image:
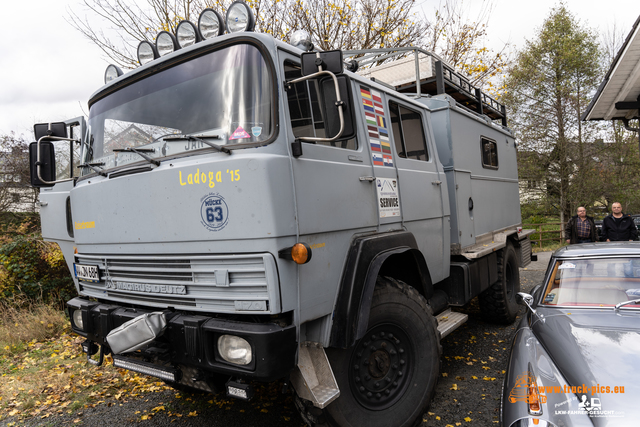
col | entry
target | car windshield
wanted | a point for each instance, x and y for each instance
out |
(224, 97)
(597, 282)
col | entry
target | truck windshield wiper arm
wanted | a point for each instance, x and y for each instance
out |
(93, 167)
(622, 304)
(140, 152)
(195, 138)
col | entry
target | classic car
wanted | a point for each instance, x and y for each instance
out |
(575, 353)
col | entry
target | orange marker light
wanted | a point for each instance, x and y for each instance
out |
(301, 253)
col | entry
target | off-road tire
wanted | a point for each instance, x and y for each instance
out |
(498, 303)
(388, 378)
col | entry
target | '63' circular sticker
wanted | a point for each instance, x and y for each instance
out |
(214, 212)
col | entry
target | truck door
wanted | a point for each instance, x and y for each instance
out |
(55, 204)
(333, 180)
(421, 180)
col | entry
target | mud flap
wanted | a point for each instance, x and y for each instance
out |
(313, 378)
(137, 333)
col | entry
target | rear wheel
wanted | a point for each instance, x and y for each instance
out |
(389, 376)
(498, 303)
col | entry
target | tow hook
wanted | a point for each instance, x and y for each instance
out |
(91, 348)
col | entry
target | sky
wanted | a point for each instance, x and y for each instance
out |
(48, 70)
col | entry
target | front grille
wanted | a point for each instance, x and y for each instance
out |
(211, 283)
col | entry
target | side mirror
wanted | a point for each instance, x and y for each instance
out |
(332, 117)
(42, 130)
(330, 60)
(47, 163)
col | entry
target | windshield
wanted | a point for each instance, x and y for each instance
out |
(224, 97)
(593, 282)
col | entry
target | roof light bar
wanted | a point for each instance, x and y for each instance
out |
(147, 52)
(166, 43)
(210, 24)
(239, 18)
(187, 34)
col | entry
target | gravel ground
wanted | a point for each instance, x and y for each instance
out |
(468, 390)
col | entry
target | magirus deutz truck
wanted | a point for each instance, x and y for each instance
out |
(240, 209)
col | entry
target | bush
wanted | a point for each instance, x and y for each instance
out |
(31, 267)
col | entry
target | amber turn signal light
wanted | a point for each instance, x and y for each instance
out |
(300, 253)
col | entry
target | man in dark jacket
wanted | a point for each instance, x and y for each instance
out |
(618, 227)
(580, 228)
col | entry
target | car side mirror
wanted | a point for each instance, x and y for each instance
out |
(42, 167)
(330, 60)
(331, 114)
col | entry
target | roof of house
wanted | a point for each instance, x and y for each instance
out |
(621, 83)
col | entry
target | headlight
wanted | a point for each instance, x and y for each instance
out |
(234, 349)
(77, 319)
(166, 43)
(112, 72)
(239, 18)
(210, 24)
(187, 34)
(146, 52)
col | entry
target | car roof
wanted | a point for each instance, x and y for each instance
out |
(599, 250)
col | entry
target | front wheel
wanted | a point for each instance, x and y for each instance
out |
(388, 378)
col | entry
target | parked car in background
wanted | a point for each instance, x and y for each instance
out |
(575, 352)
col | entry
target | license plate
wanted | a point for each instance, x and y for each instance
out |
(87, 273)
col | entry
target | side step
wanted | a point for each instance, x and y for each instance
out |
(314, 380)
(449, 321)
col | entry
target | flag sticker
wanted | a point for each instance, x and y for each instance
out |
(376, 122)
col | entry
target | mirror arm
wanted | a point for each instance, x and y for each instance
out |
(39, 162)
(339, 104)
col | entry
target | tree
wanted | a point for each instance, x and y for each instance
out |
(344, 24)
(15, 192)
(333, 24)
(548, 89)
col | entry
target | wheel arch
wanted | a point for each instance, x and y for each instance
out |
(394, 254)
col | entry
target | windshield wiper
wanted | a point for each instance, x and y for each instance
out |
(622, 304)
(195, 138)
(140, 152)
(93, 167)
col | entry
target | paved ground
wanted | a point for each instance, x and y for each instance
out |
(468, 391)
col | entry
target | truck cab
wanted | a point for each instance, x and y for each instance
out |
(245, 209)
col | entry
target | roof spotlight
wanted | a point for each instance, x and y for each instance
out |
(112, 72)
(187, 34)
(210, 24)
(147, 52)
(166, 43)
(239, 17)
(302, 40)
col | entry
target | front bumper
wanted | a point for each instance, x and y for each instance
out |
(191, 340)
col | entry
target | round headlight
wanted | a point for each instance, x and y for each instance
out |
(77, 319)
(234, 349)
(166, 43)
(146, 52)
(187, 34)
(302, 40)
(111, 73)
(210, 24)
(239, 17)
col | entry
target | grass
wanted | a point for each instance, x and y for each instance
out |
(43, 371)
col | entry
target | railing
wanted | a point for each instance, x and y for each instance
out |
(557, 228)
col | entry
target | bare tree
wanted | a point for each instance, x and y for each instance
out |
(16, 194)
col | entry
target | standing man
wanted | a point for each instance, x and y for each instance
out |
(618, 227)
(581, 228)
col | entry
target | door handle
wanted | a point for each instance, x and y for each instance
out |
(436, 182)
(367, 178)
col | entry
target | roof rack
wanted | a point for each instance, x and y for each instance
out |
(424, 73)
